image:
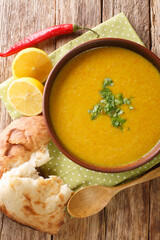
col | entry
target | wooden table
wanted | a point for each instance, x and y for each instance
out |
(133, 214)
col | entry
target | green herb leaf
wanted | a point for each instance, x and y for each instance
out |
(119, 99)
(110, 105)
(95, 111)
(126, 101)
(107, 82)
(117, 121)
(119, 111)
(105, 93)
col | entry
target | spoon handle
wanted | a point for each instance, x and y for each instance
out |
(148, 176)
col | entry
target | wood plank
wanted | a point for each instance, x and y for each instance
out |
(155, 23)
(14, 231)
(92, 228)
(154, 224)
(18, 20)
(127, 216)
(1, 222)
(83, 13)
(136, 11)
(154, 227)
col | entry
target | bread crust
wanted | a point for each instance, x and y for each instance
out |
(37, 203)
(20, 139)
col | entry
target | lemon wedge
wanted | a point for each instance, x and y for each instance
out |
(25, 95)
(32, 62)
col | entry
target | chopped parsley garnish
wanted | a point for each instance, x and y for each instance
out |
(95, 111)
(110, 105)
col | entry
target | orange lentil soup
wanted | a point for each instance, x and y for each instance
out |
(76, 90)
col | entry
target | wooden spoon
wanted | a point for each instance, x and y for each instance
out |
(92, 199)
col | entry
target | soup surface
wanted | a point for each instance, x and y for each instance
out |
(76, 90)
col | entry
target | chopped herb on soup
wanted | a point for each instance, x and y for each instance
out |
(110, 105)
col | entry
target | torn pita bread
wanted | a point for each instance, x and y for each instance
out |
(20, 139)
(32, 200)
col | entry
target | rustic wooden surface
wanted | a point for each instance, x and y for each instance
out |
(133, 214)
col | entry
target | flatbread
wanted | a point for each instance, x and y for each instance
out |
(25, 196)
(32, 200)
(20, 139)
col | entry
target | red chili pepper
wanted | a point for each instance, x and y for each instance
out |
(43, 35)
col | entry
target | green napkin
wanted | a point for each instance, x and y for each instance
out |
(72, 174)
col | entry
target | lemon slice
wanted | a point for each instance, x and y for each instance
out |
(25, 95)
(32, 62)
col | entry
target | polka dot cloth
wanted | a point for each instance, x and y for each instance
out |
(77, 177)
(72, 174)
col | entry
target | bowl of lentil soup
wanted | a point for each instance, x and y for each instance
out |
(102, 106)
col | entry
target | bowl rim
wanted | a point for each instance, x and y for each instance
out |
(101, 42)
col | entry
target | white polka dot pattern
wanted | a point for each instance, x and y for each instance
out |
(76, 177)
